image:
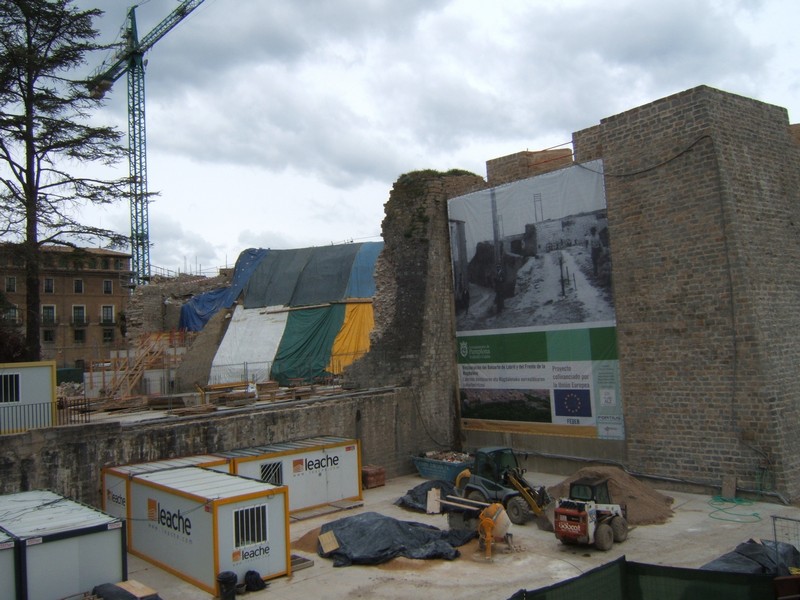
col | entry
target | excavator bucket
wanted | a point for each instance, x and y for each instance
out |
(547, 517)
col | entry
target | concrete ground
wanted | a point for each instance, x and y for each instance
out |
(696, 534)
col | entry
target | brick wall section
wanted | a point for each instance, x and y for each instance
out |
(68, 460)
(704, 209)
(522, 165)
(156, 306)
(414, 338)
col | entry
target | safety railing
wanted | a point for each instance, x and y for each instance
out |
(18, 417)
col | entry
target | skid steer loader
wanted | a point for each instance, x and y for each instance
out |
(589, 515)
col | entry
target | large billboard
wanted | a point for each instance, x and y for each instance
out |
(535, 321)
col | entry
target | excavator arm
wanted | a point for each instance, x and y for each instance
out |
(537, 503)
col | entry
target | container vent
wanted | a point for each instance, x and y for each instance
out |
(272, 473)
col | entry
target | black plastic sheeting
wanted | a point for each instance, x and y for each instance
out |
(372, 539)
(417, 498)
(110, 591)
(757, 558)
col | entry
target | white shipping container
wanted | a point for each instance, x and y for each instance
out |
(317, 471)
(197, 523)
(116, 480)
(7, 564)
(63, 548)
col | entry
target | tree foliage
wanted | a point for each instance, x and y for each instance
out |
(47, 139)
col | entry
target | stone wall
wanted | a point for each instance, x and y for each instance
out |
(157, 306)
(413, 342)
(526, 164)
(68, 460)
(703, 192)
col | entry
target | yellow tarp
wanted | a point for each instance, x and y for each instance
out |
(352, 341)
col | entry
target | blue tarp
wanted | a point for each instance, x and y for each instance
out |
(362, 280)
(197, 311)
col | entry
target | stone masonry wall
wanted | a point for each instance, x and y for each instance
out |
(414, 337)
(703, 206)
(526, 164)
(68, 460)
(156, 306)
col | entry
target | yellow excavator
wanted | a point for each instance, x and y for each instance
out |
(497, 477)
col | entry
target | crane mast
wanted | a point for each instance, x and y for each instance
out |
(130, 60)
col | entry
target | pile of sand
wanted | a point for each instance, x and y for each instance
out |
(645, 505)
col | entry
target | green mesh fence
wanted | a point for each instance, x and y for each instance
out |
(623, 580)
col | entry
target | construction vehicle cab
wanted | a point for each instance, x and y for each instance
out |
(589, 515)
(497, 477)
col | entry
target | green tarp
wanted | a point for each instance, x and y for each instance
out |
(305, 348)
(623, 580)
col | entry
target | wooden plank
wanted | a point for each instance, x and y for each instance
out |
(328, 542)
(139, 590)
(299, 563)
(584, 431)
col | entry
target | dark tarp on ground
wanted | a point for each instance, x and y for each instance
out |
(310, 276)
(305, 348)
(417, 497)
(754, 557)
(198, 310)
(623, 580)
(371, 539)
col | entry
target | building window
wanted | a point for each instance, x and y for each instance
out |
(250, 526)
(108, 335)
(118, 264)
(79, 336)
(11, 314)
(48, 314)
(78, 286)
(49, 285)
(9, 387)
(79, 315)
(48, 335)
(107, 315)
(11, 284)
(108, 286)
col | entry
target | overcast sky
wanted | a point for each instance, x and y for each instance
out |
(284, 123)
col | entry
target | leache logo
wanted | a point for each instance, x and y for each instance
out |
(118, 499)
(248, 554)
(300, 465)
(166, 518)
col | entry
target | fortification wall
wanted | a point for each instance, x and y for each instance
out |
(68, 460)
(703, 192)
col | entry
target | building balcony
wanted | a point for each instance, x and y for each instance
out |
(49, 321)
(79, 321)
(108, 321)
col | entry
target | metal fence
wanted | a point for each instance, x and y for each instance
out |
(311, 370)
(787, 530)
(17, 418)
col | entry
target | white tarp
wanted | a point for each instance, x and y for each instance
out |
(249, 345)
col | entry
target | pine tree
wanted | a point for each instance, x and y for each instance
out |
(46, 136)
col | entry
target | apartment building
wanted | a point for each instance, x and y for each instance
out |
(83, 298)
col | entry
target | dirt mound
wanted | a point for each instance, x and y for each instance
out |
(645, 505)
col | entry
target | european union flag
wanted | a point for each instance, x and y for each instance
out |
(573, 403)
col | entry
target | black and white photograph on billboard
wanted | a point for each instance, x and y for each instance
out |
(533, 252)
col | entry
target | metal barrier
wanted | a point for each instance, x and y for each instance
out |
(786, 530)
(18, 418)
